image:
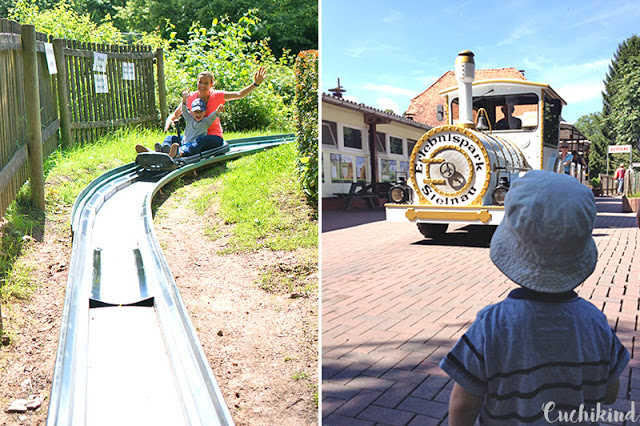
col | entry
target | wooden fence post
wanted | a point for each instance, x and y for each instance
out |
(63, 92)
(162, 90)
(34, 125)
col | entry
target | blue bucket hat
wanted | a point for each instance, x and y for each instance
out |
(544, 242)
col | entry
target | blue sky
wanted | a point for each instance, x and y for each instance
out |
(386, 52)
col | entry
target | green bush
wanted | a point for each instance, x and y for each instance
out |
(225, 50)
(306, 102)
(63, 22)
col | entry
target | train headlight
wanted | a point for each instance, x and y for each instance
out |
(500, 192)
(498, 195)
(399, 194)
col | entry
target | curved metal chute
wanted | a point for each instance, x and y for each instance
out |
(128, 352)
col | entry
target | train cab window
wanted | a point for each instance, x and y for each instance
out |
(511, 113)
(329, 133)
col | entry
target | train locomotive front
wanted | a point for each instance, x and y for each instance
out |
(459, 173)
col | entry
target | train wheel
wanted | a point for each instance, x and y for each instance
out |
(433, 230)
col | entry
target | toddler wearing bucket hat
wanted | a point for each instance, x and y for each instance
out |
(544, 351)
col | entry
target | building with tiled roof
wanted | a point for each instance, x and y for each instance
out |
(424, 107)
(363, 146)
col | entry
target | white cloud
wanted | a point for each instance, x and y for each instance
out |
(387, 88)
(393, 16)
(580, 92)
(385, 103)
(371, 48)
(602, 15)
(351, 99)
(356, 52)
(519, 32)
(427, 81)
(572, 71)
(597, 64)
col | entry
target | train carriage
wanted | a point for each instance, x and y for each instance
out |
(459, 173)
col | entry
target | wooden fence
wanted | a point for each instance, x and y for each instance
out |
(631, 183)
(96, 88)
(14, 167)
(129, 98)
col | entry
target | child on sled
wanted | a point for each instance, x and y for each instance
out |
(196, 125)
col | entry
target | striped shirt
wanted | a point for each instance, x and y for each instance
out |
(532, 349)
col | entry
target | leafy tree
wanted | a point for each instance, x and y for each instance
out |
(591, 126)
(98, 10)
(7, 5)
(619, 122)
(630, 48)
(290, 24)
(625, 104)
(287, 24)
(62, 21)
(225, 50)
(628, 52)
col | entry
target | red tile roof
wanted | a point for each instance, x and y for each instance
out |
(423, 107)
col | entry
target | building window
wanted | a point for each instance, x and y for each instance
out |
(361, 169)
(341, 168)
(395, 145)
(404, 169)
(329, 133)
(410, 144)
(381, 143)
(388, 170)
(352, 137)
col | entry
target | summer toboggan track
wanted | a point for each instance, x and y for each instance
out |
(128, 353)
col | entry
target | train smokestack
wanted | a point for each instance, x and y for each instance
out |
(465, 70)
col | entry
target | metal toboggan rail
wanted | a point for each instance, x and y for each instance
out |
(128, 353)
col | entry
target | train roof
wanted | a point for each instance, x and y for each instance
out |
(505, 86)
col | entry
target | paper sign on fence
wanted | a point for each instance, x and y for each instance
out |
(99, 62)
(128, 71)
(51, 59)
(101, 83)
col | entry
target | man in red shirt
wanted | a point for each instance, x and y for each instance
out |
(619, 177)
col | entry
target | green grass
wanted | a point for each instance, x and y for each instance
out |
(300, 375)
(21, 225)
(260, 197)
(69, 171)
(295, 278)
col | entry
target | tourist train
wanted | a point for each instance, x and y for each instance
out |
(459, 173)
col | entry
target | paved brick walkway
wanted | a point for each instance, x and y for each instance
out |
(393, 304)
